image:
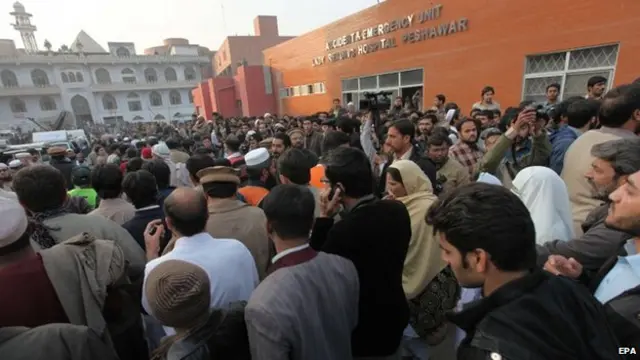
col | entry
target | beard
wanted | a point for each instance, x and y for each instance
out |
(628, 225)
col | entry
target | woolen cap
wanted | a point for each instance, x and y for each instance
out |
(257, 158)
(178, 293)
(57, 150)
(218, 174)
(146, 153)
(14, 221)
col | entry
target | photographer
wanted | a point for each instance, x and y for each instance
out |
(524, 144)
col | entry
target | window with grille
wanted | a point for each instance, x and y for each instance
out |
(155, 99)
(571, 69)
(47, 104)
(175, 98)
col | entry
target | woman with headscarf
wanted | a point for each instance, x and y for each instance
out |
(429, 284)
(545, 195)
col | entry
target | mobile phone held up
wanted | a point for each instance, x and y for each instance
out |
(333, 190)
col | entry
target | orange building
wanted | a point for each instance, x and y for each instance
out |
(241, 85)
(456, 47)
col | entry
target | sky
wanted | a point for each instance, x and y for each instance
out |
(147, 22)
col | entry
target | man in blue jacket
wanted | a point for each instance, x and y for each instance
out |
(580, 116)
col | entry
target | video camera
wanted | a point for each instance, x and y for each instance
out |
(375, 103)
(379, 101)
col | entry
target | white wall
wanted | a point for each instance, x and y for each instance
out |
(84, 88)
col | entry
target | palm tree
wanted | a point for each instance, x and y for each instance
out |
(47, 45)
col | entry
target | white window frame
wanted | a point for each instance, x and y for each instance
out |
(566, 71)
(397, 89)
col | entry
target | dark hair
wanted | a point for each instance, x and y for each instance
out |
(160, 170)
(220, 190)
(40, 187)
(112, 148)
(198, 162)
(295, 165)
(473, 217)
(188, 217)
(487, 113)
(286, 140)
(203, 151)
(619, 104)
(134, 164)
(487, 89)
(553, 85)
(81, 175)
(233, 143)
(140, 187)
(432, 117)
(334, 139)
(351, 168)
(131, 153)
(172, 144)
(347, 125)
(106, 180)
(441, 98)
(560, 110)
(405, 127)
(595, 80)
(395, 175)
(438, 139)
(581, 112)
(466, 120)
(290, 211)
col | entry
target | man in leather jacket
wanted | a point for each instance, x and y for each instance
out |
(525, 313)
(60, 162)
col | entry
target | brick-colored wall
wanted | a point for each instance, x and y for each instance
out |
(500, 35)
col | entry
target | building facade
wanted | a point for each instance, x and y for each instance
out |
(242, 83)
(457, 47)
(98, 85)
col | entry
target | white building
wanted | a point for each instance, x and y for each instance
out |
(97, 85)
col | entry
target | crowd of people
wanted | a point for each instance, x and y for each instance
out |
(416, 233)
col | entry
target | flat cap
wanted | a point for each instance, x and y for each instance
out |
(57, 150)
(218, 174)
(14, 221)
(257, 158)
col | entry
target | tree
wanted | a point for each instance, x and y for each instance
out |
(47, 45)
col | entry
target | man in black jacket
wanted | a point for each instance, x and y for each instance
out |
(59, 161)
(525, 313)
(400, 139)
(374, 234)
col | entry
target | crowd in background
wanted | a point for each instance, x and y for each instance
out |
(412, 232)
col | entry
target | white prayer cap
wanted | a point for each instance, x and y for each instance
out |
(257, 158)
(15, 164)
(14, 221)
(160, 150)
(22, 155)
(488, 179)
